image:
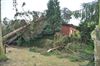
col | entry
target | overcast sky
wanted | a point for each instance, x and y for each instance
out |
(39, 5)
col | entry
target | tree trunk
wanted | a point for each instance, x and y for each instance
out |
(53, 27)
(96, 37)
(14, 32)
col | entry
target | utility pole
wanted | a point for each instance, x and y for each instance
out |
(2, 50)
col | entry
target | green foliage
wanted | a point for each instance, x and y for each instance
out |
(76, 36)
(66, 15)
(42, 42)
(89, 12)
(74, 58)
(78, 52)
(3, 58)
(77, 14)
(89, 19)
(47, 30)
(85, 53)
(12, 25)
(58, 40)
(53, 15)
(20, 41)
(28, 34)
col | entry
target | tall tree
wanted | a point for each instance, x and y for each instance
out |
(89, 19)
(66, 15)
(53, 15)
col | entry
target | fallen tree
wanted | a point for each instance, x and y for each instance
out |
(13, 35)
(55, 48)
(14, 32)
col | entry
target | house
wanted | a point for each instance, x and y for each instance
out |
(68, 29)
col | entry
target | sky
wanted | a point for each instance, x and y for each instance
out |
(39, 5)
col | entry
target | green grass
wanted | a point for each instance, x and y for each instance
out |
(23, 57)
(3, 58)
(43, 51)
(76, 52)
(51, 53)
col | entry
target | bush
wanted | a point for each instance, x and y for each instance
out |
(74, 58)
(3, 58)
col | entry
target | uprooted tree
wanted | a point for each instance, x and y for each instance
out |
(15, 29)
(37, 29)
